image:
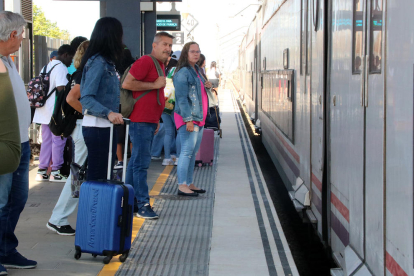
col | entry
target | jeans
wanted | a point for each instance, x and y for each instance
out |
(14, 190)
(190, 143)
(66, 204)
(52, 149)
(158, 141)
(141, 137)
(97, 143)
(169, 137)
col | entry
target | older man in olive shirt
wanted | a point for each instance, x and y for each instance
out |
(14, 187)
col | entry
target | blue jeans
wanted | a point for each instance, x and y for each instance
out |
(66, 205)
(97, 143)
(190, 143)
(14, 190)
(141, 137)
(169, 137)
(158, 142)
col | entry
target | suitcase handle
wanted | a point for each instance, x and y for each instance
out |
(111, 140)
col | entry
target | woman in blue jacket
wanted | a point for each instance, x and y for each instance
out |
(100, 93)
(191, 107)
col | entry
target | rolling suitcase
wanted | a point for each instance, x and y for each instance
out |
(105, 215)
(205, 154)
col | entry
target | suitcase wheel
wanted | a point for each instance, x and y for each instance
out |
(94, 255)
(107, 259)
(200, 164)
(123, 257)
(211, 164)
(78, 254)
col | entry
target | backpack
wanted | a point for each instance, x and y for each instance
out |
(127, 100)
(64, 117)
(38, 88)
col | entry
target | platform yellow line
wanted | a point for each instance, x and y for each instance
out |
(111, 268)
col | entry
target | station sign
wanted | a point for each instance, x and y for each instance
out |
(178, 38)
(168, 22)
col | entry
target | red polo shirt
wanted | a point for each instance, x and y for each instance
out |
(147, 109)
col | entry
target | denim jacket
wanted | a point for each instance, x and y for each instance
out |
(99, 87)
(188, 100)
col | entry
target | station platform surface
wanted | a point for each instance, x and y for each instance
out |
(233, 229)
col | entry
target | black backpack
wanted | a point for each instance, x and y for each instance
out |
(64, 117)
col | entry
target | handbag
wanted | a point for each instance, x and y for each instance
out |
(169, 93)
(78, 174)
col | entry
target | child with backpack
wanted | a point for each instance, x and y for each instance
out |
(52, 146)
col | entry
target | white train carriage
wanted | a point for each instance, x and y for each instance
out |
(331, 85)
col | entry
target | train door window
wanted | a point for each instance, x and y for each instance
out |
(375, 51)
(304, 42)
(357, 37)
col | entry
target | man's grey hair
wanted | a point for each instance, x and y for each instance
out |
(9, 22)
(158, 36)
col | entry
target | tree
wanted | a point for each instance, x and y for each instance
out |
(44, 27)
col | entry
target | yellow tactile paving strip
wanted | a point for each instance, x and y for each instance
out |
(111, 268)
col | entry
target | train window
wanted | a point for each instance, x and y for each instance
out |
(357, 37)
(375, 51)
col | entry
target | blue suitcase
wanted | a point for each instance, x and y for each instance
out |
(105, 215)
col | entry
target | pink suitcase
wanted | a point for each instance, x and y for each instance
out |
(205, 154)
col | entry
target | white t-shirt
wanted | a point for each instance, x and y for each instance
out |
(57, 78)
(92, 121)
(213, 73)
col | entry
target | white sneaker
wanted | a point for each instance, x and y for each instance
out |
(168, 162)
(155, 157)
(176, 161)
(56, 176)
(42, 175)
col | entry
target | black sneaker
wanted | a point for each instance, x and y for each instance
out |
(146, 212)
(3, 270)
(65, 230)
(17, 261)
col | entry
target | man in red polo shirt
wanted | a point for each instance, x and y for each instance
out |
(145, 117)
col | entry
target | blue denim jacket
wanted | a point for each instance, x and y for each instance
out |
(188, 100)
(99, 87)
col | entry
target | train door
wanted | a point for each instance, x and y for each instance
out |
(357, 129)
(346, 134)
(372, 89)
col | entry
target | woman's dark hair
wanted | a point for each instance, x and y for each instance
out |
(106, 40)
(183, 60)
(213, 64)
(201, 60)
(126, 60)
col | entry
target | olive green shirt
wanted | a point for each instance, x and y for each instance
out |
(9, 127)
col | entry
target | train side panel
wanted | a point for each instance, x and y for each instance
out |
(399, 141)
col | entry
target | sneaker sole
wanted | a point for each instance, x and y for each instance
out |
(18, 267)
(4, 273)
(117, 168)
(146, 217)
(56, 180)
(41, 180)
(56, 231)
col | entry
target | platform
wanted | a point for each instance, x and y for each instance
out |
(233, 229)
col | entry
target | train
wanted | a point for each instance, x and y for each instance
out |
(329, 86)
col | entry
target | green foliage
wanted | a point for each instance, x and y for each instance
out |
(44, 27)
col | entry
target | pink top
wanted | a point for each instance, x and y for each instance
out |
(179, 120)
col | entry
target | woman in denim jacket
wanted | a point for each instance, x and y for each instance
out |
(191, 107)
(100, 93)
